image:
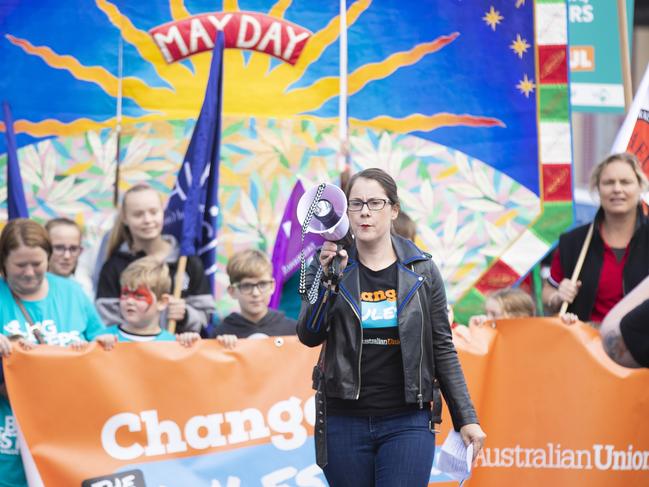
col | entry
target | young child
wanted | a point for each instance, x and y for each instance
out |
(511, 303)
(145, 286)
(506, 303)
(252, 284)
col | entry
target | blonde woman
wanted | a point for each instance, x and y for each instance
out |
(617, 259)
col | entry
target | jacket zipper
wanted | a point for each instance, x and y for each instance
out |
(360, 354)
(420, 396)
(319, 311)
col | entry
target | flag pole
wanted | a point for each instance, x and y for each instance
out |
(178, 287)
(624, 53)
(343, 129)
(580, 263)
(118, 127)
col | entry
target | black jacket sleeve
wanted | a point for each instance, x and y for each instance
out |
(312, 322)
(108, 291)
(447, 364)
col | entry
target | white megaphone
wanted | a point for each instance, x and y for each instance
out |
(329, 213)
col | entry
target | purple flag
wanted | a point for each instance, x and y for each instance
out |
(286, 253)
(16, 204)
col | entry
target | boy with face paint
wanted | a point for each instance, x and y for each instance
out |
(145, 286)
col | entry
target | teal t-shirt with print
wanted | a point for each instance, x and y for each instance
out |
(64, 316)
(124, 336)
(11, 465)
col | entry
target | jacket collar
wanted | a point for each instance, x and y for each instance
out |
(639, 221)
(407, 280)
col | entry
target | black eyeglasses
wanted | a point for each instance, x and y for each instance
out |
(247, 287)
(374, 204)
(62, 249)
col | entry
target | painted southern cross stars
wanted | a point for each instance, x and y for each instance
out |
(519, 46)
(492, 18)
(520, 3)
(526, 86)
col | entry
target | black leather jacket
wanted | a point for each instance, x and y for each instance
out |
(426, 345)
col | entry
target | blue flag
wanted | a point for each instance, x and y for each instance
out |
(16, 204)
(192, 210)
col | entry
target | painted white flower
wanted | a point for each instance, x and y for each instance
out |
(421, 204)
(386, 155)
(38, 168)
(449, 250)
(104, 154)
(270, 150)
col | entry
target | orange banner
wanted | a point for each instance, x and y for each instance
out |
(555, 409)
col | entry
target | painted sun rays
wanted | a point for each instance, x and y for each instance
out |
(254, 87)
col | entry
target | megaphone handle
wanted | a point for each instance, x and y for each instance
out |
(334, 268)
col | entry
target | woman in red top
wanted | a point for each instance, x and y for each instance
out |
(618, 255)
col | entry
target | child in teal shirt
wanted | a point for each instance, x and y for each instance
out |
(145, 286)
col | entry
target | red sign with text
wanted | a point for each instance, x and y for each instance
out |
(242, 30)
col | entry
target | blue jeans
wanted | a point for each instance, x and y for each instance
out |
(382, 451)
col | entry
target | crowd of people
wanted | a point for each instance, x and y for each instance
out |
(44, 301)
(382, 322)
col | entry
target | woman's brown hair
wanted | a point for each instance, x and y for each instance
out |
(386, 181)
(22, 231)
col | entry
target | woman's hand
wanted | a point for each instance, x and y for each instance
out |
(188, 338)
(79, 346)
(463, 332)
(567, 291)
(176, 309)
(228, 341)
(473, 434)
(26, 344)
(478, 320)
(328, 252)
(569, 318)
(5, 346)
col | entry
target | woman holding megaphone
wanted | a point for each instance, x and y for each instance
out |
(385, 337)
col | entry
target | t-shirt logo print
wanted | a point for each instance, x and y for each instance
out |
(48, 330)
(8, 436)
(379, 309)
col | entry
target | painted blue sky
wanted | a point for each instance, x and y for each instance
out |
(476, 74)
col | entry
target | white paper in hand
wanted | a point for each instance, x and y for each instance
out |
(455, 459)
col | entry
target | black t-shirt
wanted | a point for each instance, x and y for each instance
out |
(635, 332)
(382, 383)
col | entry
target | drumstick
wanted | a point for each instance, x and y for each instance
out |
(178, 287)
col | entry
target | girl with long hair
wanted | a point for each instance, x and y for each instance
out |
(137, 233)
